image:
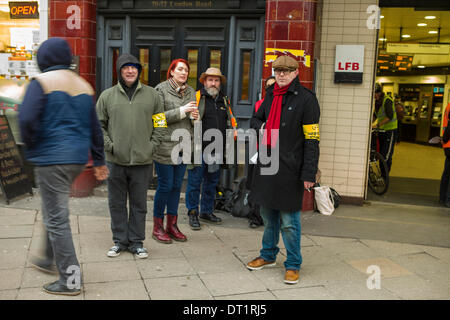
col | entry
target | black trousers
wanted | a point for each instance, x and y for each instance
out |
(387, 144)
(128, 183)
(444, 190)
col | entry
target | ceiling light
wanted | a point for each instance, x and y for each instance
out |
(421, 24)
(382, 39)
(432, 32)
(421, 67)
(381, 17)
(406, 36)
(430, 17)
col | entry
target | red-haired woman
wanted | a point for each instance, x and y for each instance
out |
(179, 103)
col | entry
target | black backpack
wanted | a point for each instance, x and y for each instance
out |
(240, 199)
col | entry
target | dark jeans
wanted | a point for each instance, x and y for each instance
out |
(54, 184)
(170, 178)
(387, 144)
(128, 182)
(444, 190)
(199, 177)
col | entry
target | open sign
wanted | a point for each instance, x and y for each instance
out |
(24, 10)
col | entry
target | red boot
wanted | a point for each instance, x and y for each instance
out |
(158, 231)
(172, 229)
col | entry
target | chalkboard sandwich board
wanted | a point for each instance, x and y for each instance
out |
(13, 179)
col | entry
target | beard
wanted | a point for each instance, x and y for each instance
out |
(213, 91)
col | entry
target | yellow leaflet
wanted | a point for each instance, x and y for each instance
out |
(159, 120)
(311, 131)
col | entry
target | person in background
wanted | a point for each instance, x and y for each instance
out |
(59, 126)
(215, 113)
(133, 123)
(293, 111)
(254, 216)
(444, 190)
(178, 99)
(386, 122)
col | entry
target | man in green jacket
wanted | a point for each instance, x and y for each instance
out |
(133, 124)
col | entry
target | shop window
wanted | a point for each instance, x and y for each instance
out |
(246, 57)
(115, 55)
(144, 60)
(166, 57)
(193, 67)
(215, 57)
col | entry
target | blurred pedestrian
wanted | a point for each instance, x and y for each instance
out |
(292, 111)
(133, 124)
(59, 126)
(178, 99)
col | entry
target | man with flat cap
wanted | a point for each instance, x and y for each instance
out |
(215, 113)
(289, 121)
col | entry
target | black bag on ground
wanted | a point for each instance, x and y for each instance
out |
(241, 205)
(336, 197)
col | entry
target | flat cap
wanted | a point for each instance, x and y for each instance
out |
(285, 62)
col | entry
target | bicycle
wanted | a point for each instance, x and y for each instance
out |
(378, 169)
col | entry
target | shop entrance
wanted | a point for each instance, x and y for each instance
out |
(413, 66)
(159, 41)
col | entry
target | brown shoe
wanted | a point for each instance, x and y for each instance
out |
(291, 276)
(259, 263)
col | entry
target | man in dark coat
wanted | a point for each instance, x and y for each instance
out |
(289, 121)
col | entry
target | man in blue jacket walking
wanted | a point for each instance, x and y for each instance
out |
(59, 126)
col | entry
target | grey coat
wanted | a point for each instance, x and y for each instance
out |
(172, 102)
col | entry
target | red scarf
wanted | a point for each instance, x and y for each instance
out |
(273, 122)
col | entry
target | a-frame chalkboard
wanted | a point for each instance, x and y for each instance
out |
(13, 179)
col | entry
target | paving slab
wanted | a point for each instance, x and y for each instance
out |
(227, 283)
(177, 288)
(13, 252)
(389, 249)
(16, 219)
(422, 264)
(94, 247)
(388, 268)
(163, 268)
(16, 231)
(266, 295)
(117, 290)
(10, 278)
(33, 278)
(308, 293)
(8, 294)
(217, 264)
(415, 288)
(110, 271)
(40, 294)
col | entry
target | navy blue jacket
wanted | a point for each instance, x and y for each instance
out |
(57, 118)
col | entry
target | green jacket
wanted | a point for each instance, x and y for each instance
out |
(172, 102)
(132, 129)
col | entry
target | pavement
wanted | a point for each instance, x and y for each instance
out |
(378, 251)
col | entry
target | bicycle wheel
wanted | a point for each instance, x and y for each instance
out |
(378, 173)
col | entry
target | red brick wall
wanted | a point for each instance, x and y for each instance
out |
(82, 40)
(291, 25)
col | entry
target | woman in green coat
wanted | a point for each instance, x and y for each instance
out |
(178, 99)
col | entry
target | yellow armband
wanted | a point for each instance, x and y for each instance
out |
(311, 131)
(159, 120)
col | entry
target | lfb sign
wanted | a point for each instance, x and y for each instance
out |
(349, 64)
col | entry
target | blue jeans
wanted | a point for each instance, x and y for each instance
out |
(170, 178)
(200, 177)
(290, 226)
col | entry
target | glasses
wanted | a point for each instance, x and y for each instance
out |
(284, 71)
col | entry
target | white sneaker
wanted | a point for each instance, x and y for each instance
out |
(114, 252)
(140, 253)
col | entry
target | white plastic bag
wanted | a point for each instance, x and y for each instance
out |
(324, 200)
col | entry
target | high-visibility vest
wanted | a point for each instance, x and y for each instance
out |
(231, 118)
(392, 124)
(445, 124)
